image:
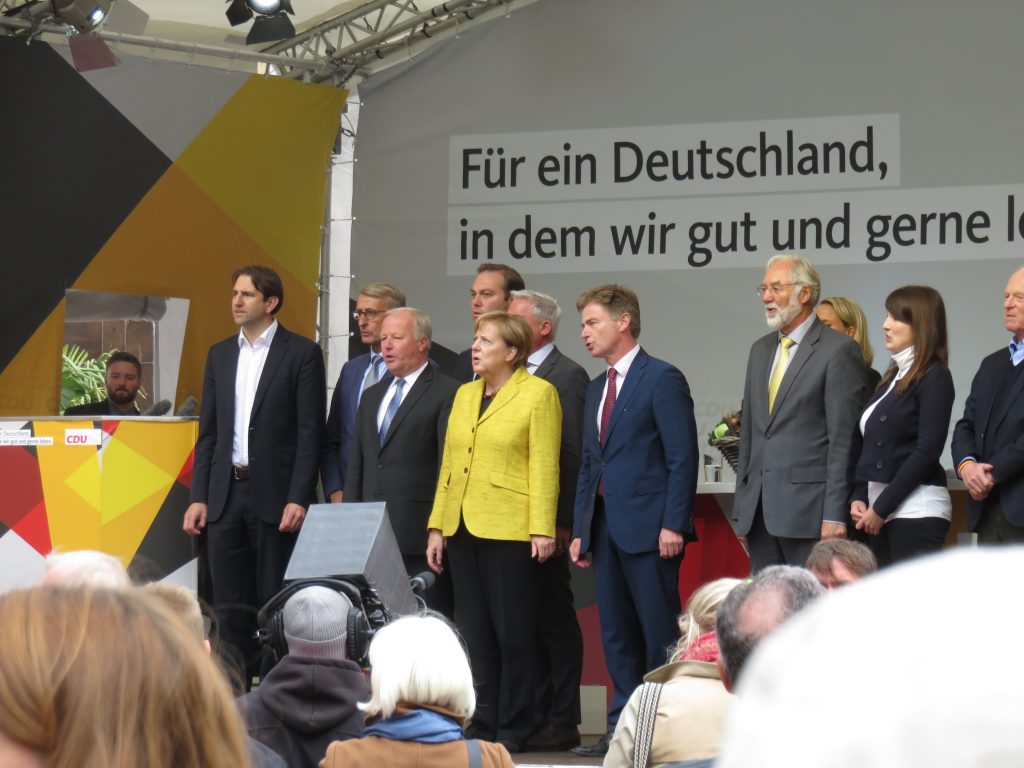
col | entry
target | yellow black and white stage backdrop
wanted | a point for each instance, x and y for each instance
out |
(153, 179)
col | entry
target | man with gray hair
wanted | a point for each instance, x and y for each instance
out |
(398, 441)
(85, 567)
(309, 699)
(357, 375)
(805, 387)
(755, 609)
(556, 614)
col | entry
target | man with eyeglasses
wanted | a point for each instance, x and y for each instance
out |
(805, 387)
(357, 374)
(988, 442)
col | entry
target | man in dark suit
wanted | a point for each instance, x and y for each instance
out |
(254, 472)
(123, 378)
(397, 444)
(634, 500)
(561, 639)
(357, 375)
(805, 387)
(988, 442)
(491, 292)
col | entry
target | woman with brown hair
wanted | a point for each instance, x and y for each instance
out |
(109, 679)
(900, 496)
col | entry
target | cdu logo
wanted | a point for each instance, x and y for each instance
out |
(82, 436)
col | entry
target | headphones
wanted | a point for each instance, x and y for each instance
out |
(271, 619)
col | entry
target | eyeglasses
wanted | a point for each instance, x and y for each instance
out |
(369, 314)
(775, 289)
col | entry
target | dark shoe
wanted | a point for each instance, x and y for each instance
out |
(553, 738)
(511, 746)
(598, 749)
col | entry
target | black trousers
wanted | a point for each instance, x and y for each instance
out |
(905, 538)
(494, 609)
(994, 528)
(248, 558)
(560, 656)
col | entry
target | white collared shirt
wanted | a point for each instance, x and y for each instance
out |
(621, 369)
(535, 359)
(393, 387)
(251, 359)
(797, 335)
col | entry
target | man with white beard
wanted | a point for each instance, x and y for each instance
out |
(805, 387)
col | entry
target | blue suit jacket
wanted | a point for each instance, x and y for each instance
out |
(340, 422)
(994, 436)
(648, 462)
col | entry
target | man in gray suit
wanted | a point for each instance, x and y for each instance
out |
(805, 387)
(562, 641)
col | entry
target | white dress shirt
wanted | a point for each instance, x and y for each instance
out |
(251, 359)
(621, 369)
(393, 387)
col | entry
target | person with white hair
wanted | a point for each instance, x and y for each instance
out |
(310, 698)
(85, 567)
(421, 697)
(918, 695)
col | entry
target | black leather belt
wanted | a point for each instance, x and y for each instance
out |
(240, 473)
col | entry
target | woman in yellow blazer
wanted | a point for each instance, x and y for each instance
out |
(495, 510)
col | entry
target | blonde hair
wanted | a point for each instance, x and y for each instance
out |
(701, 610)
(512, 330)
(101, 678)
(183, 603)
(852, 316)
(419, 660)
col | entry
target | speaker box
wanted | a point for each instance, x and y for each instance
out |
(355, 542)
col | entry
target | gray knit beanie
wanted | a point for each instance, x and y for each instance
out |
(316, 623)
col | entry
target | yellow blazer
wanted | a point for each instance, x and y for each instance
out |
(499, 471)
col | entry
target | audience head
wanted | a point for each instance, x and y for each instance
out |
(182, 603)
(882, 652)
(104, 678)
(500, 340)
(915, 316)
(701, 610)
(540, 311)
(419, 660)
(835, 562)
(845, 316)
(755, 608)
(83, 567)
(315, 623)
(492, 289)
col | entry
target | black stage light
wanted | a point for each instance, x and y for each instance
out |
(270, 28)
(238, 12)
(83, 15)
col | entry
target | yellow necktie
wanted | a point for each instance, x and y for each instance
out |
(779, 370)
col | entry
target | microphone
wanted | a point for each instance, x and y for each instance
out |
(187, 408)
(421, 582)
(159, 408)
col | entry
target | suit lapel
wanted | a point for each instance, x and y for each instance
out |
(997, 416)
(634, 377)
(419, 387)
(803, 353)
(505, 394)
(276, 353)
(548, 365)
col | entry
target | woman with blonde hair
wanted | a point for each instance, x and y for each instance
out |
(679, 712)
(100, 678)
(845, 316)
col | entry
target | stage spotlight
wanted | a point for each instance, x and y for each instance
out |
(238, 12)
(83, 15)
(268, 29)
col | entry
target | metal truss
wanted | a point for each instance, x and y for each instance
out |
(354, 43)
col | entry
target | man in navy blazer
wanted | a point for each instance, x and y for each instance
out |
(358, 374)
(988, 442)
(254, 471)
(634, 499)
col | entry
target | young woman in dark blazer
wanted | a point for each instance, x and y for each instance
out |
(900, 497)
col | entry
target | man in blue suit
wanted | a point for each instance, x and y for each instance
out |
(357, 374)
(988, 442)
(634, 499)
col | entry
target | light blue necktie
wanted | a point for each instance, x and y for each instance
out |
(392, 409)
(372, 375)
